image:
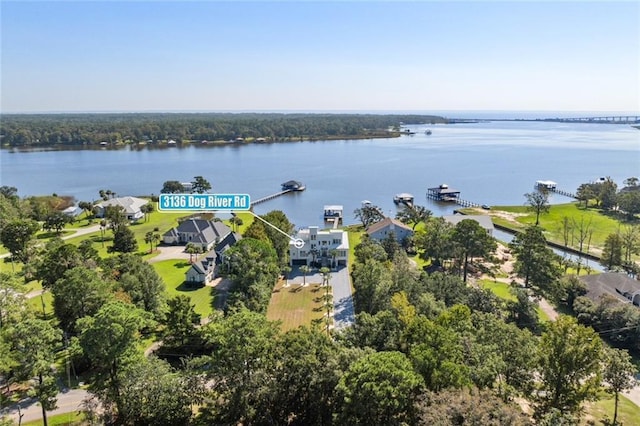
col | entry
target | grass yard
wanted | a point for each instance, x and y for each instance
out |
(628, 412)
(601, 224)
(503, 291)
(500, 289)
(295, 305)
(172, 272)
(355, 233)
(69, 419)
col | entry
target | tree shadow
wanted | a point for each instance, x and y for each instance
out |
(187, 286)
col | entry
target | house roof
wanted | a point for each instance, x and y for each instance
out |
(386, 222)
(131, 205)
(610, 283)
(482, 219)
(205, 262)
(227, 242)
(207, 231)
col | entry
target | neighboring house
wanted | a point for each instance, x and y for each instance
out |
(380, 230)
(202, 233)
(72, 211)
(130, 205)
(619, 286)
(205, 269)
(330, 248)
(483, 220)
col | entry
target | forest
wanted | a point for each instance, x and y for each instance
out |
(94, 129)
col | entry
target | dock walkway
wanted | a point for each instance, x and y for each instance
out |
(562, 192)
(270, 197)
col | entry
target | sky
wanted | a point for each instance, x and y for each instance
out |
(101, 56)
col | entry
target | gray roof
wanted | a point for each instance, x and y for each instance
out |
(610, 283)
(131, 205)
(386, 222)
(205, 262)
(228, 242)
(207, 231)
(482, 219)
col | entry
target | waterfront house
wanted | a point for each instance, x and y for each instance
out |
(204, 270)
(131, 206)
(202, 233)
(328, 248)
(616, 285)
(380, 230)
(72, 211)
(483, 220)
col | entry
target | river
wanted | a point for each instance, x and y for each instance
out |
(492, 163)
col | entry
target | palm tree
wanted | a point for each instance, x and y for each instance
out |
(327, 300)
(103, 227)
(235, 221)
(314, 255)
(156, 239)
(305, 269)
(192, 249)
(326, 275)
(148, 238)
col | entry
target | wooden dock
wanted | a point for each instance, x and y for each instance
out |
(270, 197)
(565, 193)
(449, 195)
(466, 203)
(550, 186)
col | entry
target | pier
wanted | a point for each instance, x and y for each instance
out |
(551, 186)
(271, 197)
(446, 194)
(289, 186)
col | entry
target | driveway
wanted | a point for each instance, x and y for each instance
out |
(68, 402)
(170, 252)
(343, 311)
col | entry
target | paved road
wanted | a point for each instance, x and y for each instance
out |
(68, 402)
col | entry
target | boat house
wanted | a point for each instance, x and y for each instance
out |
(333, 212)
(443, 193)
(404, 198)
(546, 184)
(293, 185)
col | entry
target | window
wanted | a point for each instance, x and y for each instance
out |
(313, 237)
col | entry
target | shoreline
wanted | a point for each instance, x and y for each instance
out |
(207, 144)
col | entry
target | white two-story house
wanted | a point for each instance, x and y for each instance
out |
(321, 248)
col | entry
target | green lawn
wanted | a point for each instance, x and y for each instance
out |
(355, 233)
(503, 291)
(601, 224)
(500, 289)
(69, 419)
(295, 305)
(172, 272)
(628, 412)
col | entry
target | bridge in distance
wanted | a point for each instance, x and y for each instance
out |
(611, 119)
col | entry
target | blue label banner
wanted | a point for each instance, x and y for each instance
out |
(202, 202)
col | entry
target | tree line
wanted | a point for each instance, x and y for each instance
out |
(93, 129)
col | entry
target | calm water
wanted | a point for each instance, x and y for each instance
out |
(491, 163)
